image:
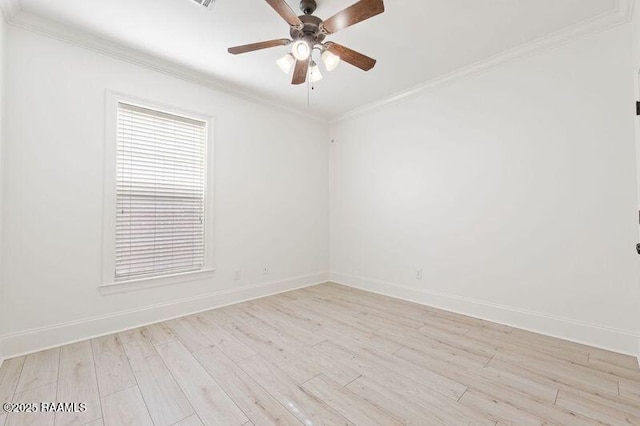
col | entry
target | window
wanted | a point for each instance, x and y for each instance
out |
(159, 194)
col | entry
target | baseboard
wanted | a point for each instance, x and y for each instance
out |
(28, 341)
(617, 340)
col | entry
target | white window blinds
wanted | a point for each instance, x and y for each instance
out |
(160, 192)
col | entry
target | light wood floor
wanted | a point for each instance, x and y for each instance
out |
(326, 355)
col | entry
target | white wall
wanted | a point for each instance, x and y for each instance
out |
(271, 177)
(514, 190)
(2, 101)
(636, 68)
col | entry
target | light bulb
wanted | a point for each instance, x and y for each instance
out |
(314, 73)
(330, 60)
(286, 63)
(301, 50)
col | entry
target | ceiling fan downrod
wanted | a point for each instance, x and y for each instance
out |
(308, 6)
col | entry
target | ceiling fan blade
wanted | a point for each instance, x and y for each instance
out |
(351, 56)
(258, 46)
(300, 71)
(285, 11)
(352, 15)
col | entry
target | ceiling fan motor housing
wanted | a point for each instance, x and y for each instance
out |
(310, 30)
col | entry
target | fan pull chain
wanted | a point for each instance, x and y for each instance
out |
(310, 86)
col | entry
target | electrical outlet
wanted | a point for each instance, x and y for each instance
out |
(265, 270)
(418, 274)
(238, 275)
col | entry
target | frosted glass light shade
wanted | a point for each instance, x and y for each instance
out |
(314, 73)
(301, 50)
(286, 63)
(330, 60)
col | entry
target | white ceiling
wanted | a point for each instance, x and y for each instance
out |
(414, 41)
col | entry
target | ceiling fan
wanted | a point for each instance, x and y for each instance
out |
(308, 33)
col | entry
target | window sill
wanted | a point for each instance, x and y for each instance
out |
(151, 282)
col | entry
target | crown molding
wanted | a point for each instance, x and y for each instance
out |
(9, 8)
(26, 21)
(13, 14)
(622, 13)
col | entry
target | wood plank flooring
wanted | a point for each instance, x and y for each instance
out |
(325, 355)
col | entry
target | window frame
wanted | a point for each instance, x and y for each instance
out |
(108, 283)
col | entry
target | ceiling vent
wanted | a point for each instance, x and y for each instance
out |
(206, 3)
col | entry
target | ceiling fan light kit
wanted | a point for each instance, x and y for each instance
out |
(330, 60)
(314, 73)
(286, 63)
(308, 33)
(301, 50)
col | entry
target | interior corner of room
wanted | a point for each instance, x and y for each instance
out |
(504, 188)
